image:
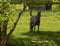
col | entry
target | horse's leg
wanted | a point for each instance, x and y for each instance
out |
(34, 28)
(38, 27)
(31, 27)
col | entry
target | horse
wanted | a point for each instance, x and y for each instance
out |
(35, 20)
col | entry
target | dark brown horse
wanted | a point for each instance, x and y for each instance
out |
(35, 20)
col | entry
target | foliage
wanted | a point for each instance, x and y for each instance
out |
(16, 1)
(38, 2)
(4, 10)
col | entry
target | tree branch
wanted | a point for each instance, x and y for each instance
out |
(17, 19)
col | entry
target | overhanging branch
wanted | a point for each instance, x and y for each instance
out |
(17, 19)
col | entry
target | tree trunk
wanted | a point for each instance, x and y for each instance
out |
(0, 35)
(4, 33)
(4, 36)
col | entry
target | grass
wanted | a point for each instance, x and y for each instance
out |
(49, 30)
(19, 6)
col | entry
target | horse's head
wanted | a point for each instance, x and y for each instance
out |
(39, 13)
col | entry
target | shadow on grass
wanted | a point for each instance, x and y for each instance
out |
(52, 37)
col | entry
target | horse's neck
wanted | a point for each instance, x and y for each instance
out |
(38, 16)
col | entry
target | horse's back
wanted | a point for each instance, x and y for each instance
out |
(33, 18)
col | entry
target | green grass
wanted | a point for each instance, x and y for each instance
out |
(19, 6)
(49, 30)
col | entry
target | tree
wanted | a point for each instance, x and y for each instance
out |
(4, 19)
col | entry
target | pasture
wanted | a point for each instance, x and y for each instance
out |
(49, 30)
